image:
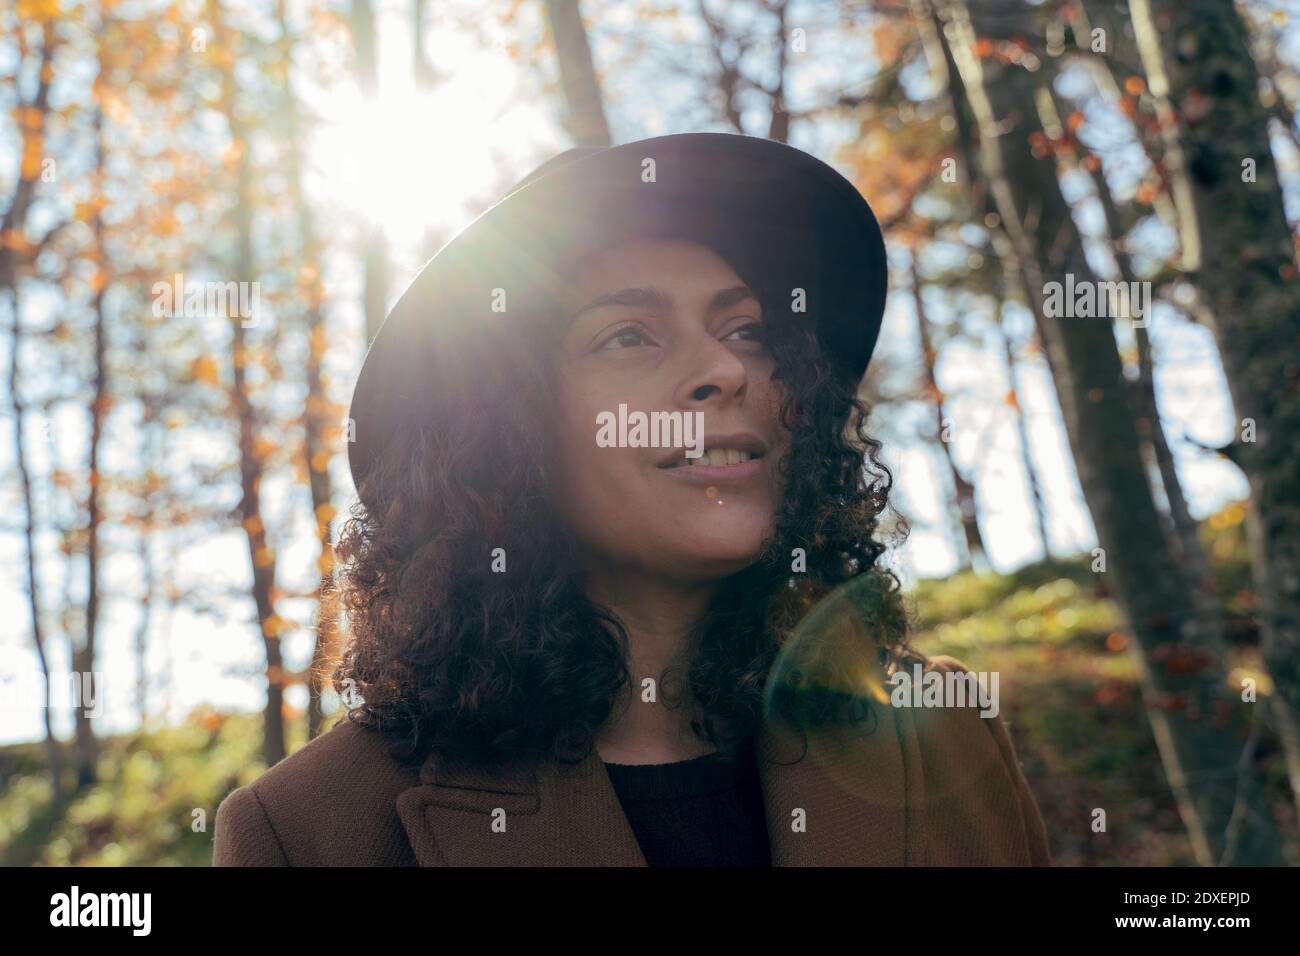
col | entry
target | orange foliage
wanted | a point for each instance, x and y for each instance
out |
(204, 369)
(39, 11)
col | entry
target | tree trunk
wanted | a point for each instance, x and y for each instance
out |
(317, 421)
(1198, 60)
(83, 658)
(425, 75)
(1183, 530)
(376, 269)
(963, 491)
(1038, 506)
(13, 224)
(150, 457)
(584, 115)
(261, 557)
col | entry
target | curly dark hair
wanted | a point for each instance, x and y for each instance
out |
(485, 668)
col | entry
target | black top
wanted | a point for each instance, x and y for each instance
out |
(699, 812)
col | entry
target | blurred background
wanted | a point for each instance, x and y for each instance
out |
(1104, 507)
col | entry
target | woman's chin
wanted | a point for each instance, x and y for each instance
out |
(714, 558)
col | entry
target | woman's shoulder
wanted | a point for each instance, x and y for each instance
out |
(970, 771)
(331, 802)
(953, 715)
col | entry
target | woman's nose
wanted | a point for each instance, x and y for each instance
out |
(715, 370)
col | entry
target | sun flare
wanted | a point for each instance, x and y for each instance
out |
(415, 161)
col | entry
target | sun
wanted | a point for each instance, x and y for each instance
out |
(403, 161)
(415, 161)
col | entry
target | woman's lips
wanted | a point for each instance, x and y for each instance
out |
(706, 475)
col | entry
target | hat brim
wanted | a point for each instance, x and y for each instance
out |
(782, 211)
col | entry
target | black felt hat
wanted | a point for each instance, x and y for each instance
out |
(778, 214)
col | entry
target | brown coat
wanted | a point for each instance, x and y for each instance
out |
(926, 787)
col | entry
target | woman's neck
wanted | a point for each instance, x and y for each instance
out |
(658, 615)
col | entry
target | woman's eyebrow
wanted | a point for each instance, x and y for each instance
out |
(729, 297)
(652, 299)
(657, 300)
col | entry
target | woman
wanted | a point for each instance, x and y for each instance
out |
(581, 641)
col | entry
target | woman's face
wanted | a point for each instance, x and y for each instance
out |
(668, 326)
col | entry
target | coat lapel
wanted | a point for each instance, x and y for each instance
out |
(844, 803)
(553, 815)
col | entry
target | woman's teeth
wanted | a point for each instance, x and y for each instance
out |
(717, 457)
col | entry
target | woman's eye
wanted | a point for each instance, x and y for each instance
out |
(753, 332)
(626, 338)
